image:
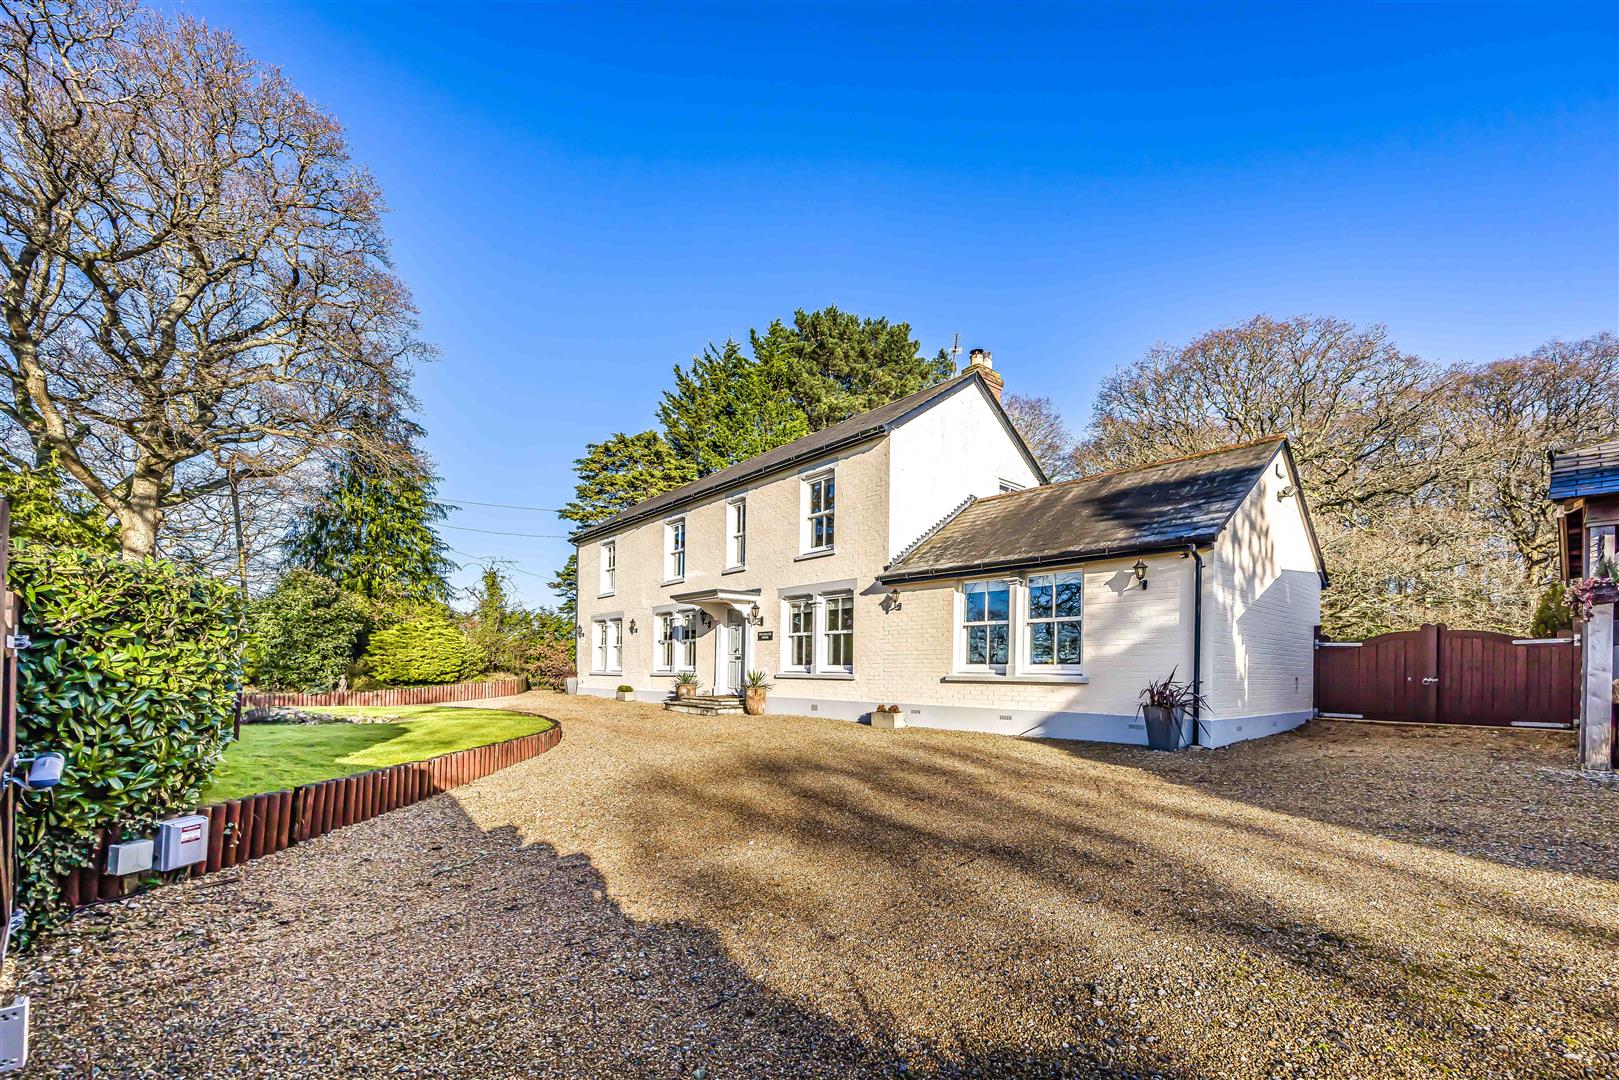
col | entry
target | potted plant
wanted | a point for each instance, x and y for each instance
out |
(1163, 706)
(626, 692)
(685, 685)
(887, 718)
(754, 688)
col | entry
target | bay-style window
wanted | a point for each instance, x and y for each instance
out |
(674, 548)
(1022, 627)
(609, 568)
(609, 654)
(676, 643)
(818, 632)
(736, 534)
(1055, 601)
(820, 513)
(986, 622)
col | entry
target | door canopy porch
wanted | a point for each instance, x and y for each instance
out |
(719, 603)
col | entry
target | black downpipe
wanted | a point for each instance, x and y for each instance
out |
(1197, 640)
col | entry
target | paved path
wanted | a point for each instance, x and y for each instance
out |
(710, 897)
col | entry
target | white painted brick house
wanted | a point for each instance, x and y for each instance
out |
(915, 556)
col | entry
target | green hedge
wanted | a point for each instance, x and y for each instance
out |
(131, 673)
(302, 634)
(425, 650)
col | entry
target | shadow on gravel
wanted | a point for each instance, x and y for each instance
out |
(419, 945)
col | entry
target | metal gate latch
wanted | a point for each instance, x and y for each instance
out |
(14, 1035)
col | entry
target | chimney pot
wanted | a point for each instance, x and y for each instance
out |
(984, 364)
(981, 358)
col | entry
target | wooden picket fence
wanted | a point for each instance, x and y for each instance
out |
(240, 830)
(405, 695)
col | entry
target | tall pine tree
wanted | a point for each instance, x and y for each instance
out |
(727, 408)
(371, 529)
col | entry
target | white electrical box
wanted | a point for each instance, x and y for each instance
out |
(14, 1035)
(182, 841)
(130, 857)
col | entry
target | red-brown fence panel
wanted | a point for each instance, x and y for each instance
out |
(1435, 675)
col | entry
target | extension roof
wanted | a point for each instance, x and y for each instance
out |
(1160, 507)
(1585, 470)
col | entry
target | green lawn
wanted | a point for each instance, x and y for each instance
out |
(269, 757)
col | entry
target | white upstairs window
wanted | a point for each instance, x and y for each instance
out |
(736, 534)
(820, 520)
(609, 567)
(674, 535)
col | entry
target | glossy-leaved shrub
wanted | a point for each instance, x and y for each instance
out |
(131, 673)
(424, 650)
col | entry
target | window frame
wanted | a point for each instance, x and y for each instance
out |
(963, 626)
(736, 533)
(1025, 635)
(827, 481)
(607, 559)
(607, 643)
(674, 554)
(825, 632)
(683, 619)
(791, 638)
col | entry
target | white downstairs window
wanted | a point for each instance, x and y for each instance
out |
(801, 634)
(1055, 602)
(984, 643)
(677, 642)
(610, 646)
(839, 654)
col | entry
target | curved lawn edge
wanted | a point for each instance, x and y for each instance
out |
(241, 830)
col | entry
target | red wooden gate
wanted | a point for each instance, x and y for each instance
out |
(1436, 675)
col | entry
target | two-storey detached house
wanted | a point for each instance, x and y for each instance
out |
(915, 556)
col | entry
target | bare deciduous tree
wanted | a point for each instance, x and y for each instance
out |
(195, 282)
(1042, 428)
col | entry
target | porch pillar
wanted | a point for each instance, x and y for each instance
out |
(1596, 696)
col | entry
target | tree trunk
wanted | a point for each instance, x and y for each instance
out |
(140, 517)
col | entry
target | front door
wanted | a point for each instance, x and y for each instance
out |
(736, 641)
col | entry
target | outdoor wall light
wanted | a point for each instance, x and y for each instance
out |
(708, 620)
(893, 599)
(632, 626)
(754, 617)
(1141, 572)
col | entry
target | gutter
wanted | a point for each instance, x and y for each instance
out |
(1062, 558)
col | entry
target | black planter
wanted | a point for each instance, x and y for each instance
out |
(1166, 729)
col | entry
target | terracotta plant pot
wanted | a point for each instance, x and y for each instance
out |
(753, 701)
(685, 690)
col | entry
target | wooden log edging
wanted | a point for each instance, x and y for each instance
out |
(241, 830)
(404, 695)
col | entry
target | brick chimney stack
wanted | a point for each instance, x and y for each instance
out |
(984, 364)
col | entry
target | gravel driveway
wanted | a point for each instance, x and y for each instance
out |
(714, 897)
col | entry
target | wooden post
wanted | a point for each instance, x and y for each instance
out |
(1596, 697)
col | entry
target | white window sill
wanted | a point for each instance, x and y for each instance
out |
(734, 569)
(673, 674)
(605, 595)
(673, 580)
(614, 674)
(818, 553)
(990, 677)
(846, 676)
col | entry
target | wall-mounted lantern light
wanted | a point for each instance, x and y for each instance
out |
(754, 617)
(1141, 572)
(893, 599)
(632, 626)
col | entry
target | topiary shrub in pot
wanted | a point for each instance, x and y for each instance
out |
(1163, 707)
(626, 692)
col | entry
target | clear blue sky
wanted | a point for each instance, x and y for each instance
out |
(583, 196)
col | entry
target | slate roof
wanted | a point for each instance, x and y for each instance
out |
(1585, 470)
(854, 430)
(1156, 507)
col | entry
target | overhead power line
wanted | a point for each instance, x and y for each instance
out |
(498, 532)
(502, 506)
